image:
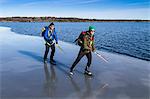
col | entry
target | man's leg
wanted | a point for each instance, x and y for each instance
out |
(46, 52)
(89, 57)
(52, 53)
(80, 55)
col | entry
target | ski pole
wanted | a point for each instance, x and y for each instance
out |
(60, 48)
(99, 55)
(56, 45)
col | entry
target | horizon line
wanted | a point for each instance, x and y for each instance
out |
(78, 17)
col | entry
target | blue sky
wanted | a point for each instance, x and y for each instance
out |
(100, 9)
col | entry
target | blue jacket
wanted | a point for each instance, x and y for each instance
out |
(49, 37)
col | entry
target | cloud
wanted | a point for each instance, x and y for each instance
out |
(75, 8)
(86, 1)
(61, 2)
(140, 3)
(137, 13)
(3, 1)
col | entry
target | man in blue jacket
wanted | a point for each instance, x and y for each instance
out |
(49, 36)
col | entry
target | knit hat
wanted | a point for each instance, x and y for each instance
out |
(51, 24)
(91, 28)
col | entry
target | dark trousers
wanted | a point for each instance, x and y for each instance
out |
(80, 55)
(47, 50)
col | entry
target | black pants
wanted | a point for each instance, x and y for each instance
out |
(80, 55)
(47, 50)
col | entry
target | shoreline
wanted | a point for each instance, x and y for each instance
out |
(65, 19)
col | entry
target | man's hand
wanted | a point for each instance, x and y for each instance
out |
(94, 49)
(57, 44)
(43, 29)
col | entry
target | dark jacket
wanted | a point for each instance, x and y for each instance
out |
(86, 41)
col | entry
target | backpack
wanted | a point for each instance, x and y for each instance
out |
(43, 31)
(79, 40)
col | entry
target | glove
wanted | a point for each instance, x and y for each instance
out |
(56, 44)
(43, 29)
(94, 49)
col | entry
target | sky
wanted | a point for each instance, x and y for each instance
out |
(98, 9)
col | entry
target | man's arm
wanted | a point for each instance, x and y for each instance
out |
(85, 46)
(56, 38)
(93, 44)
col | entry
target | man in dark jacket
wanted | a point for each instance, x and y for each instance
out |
(86, 41)
(49, 37)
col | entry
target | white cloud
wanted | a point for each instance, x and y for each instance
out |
(61, 2)
(139, 3)
(142, 13)
(105, 14)
(3, 1)
(36, 9)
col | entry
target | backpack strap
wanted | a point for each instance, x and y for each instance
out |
(83, 32)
